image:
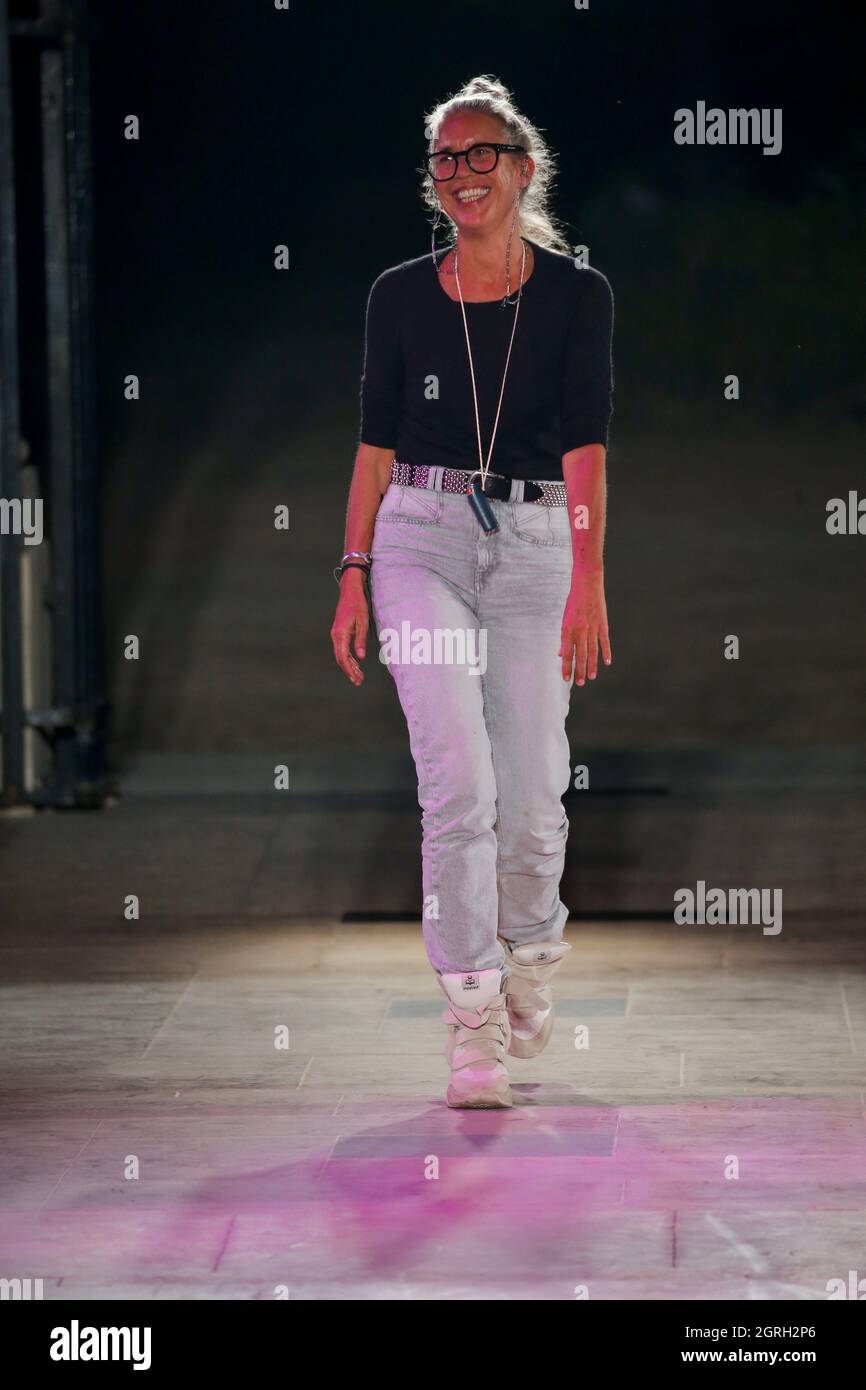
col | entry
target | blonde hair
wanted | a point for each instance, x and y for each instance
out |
(488, 95)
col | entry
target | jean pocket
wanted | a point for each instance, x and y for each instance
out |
(537, 525)
(413, 505)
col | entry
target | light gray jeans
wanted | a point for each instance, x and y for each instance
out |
(470, 627)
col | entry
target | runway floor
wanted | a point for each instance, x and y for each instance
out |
(148, 1046)
(157, 1142)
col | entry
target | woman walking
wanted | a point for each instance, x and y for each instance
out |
(477, 513)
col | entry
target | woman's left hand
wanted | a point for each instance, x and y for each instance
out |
(584, 627)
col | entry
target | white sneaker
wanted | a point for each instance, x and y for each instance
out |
(529, 994)
(477, 1043)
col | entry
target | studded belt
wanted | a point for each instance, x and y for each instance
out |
(545, 494)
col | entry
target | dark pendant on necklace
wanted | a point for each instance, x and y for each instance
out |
(481, 507)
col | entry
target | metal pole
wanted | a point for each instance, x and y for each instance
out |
(90, 695)
(78, 697)
(10, 458)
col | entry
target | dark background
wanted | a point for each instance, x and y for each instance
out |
(306, 127)
(262, 127)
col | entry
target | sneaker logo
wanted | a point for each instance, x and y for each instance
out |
(543, 955)
(471, 982)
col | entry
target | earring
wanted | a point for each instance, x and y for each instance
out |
(436, 221)
(437, 218)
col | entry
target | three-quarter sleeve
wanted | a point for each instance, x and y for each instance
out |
(382, 375)
(588, 374)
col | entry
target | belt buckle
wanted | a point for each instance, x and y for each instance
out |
(528, 484)
(477, 474)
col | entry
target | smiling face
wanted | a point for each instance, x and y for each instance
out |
(479, 201)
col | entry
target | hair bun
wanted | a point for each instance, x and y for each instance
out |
(487, 86)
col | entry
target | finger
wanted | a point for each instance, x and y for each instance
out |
(604, 638)
(566, 651)
(592, 655)
(340, 640)
(344, 658)
(580, 669)
(361, 629)
(355, 636)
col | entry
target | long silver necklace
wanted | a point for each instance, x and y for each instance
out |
(477, 499)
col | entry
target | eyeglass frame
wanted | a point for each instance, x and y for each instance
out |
(457, 155)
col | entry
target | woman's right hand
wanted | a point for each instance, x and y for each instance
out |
(350, 625)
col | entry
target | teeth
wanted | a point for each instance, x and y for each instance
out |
(471, 195)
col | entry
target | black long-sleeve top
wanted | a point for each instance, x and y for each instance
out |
(416, 391)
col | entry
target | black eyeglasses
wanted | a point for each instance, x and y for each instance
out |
(481, 159)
